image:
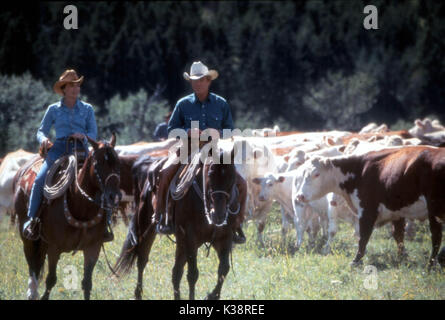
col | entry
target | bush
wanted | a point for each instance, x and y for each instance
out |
(133, 118)
(340, 99)
(23, 102)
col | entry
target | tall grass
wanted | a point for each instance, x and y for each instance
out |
(267, 273)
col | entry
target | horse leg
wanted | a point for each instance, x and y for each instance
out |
(192, 271)
(51, 278)
(125, 216)
(144, 249)
(223, 251)
(35, 254)
(178, 268)
(90, 256)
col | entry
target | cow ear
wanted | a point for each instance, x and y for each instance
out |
(93, 143)
(301, 155)
(256, 180)
(113, 140)
(418, 123)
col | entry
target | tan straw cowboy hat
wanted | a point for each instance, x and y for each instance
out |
(68, 76)
(199, 70)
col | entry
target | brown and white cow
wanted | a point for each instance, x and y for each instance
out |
(386, 185)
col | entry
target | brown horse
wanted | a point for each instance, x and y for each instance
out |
(75, 222)
(195, 225)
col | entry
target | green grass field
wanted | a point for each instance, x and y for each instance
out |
(269, 273)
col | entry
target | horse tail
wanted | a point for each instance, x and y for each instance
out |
(129, 250)
(139, 223)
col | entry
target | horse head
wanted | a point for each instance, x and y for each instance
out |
(104, 171)
(220, 182)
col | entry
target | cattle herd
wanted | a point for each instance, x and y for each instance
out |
(367, 178)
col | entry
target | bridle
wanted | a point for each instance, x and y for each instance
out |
(230, 198)
(103, 204)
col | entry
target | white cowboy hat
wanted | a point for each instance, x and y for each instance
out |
(199, 70)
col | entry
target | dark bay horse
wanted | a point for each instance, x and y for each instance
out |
(75, 222)
(194, 225)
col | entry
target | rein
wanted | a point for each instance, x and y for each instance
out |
(103, 206)
(230, 198)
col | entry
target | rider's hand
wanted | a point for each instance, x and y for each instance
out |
(46, 144)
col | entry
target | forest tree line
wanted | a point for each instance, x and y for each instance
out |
(304, 65)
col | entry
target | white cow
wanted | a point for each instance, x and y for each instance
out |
(253, 159)
(9, 167)
(266, 132)
(422, 127)
(141, 148)
(309, 217)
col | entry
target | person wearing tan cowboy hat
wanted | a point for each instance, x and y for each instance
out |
(70, 117)
(212, 112)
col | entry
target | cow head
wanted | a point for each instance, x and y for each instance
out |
(267, 184)
(314, 179)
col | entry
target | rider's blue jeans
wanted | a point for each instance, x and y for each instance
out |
(57, 151)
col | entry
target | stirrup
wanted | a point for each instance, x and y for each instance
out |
(31, 229)
(108, 235)
(164, 229)
(239, 238)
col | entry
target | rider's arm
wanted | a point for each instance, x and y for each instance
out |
(91, 124)
(176, 120)
(45, 125)
(227, 122)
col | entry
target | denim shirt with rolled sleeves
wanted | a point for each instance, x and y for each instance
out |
(213, 113)
(67, 121)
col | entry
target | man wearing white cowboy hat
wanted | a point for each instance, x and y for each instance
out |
(212, 112)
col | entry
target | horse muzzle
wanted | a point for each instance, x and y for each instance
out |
(218, 217)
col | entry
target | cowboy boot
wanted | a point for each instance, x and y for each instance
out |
(238, 236)
(108, 234)
(169, 227)
(31, 229)
(164, 183)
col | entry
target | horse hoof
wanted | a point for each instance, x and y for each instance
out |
(326, 251)
(355, 264)
(212, 296)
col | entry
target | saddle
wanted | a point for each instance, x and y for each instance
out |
(60, 175)
(184, 177)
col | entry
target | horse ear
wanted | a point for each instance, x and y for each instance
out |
(113, 139)
(93, 143)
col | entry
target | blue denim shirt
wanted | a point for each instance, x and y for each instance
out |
(213, 113)
(67, 121)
